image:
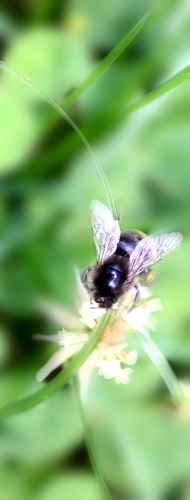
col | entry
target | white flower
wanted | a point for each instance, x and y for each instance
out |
(110, 357)
(140, 317)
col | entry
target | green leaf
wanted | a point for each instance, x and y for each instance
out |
(28, 439)
(77, 486)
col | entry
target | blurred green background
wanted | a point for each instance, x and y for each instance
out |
(48, 180)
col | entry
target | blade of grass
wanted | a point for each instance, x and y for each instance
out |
(162, 366)
(173, 82)
(89, 445)
(108, 60)
(56, 153)
(62, 378)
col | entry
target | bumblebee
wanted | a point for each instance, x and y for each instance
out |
(121, 257)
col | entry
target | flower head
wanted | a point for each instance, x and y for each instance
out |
(110, 358)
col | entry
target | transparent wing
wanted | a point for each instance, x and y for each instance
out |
(105, 229)
(142, 257)
(152, 249)
(166, 243)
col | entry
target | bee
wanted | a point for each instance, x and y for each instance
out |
(121, 256)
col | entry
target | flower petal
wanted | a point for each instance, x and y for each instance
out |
(54, 362)
(123, 376)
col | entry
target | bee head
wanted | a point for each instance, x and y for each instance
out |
(105, 302)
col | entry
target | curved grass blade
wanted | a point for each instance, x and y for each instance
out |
(173, 82)
(162, 366)
(62, 378)
(7, 69)
(108, 60)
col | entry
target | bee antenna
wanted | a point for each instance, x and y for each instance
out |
(69, 120)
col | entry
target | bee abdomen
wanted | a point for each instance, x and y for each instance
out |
(128, 242)
(109, 280)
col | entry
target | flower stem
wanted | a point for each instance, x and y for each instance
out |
(63, 377)
(89, 445)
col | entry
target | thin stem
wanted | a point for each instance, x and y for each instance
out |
(62, 112)
(89, 445)
(63, 377)
(162, 366)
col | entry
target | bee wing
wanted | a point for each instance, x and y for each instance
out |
(105, 229)
(152, 249)
(166, 243)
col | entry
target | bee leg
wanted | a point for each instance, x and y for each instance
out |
(86, 281)
(136, 297)
(137, 294)
(84, 277)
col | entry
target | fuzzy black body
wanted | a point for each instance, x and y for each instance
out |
(110, 280)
